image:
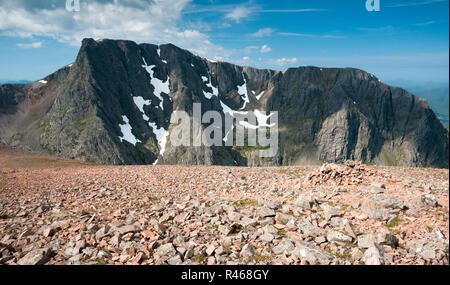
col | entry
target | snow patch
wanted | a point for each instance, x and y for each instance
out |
(215, 90)
(126, 132)
(242, 90)
(262, 119)
(161, 136)
(140, 103)
(231, 112)
(159, 85)
(260, 95)
(43, 81)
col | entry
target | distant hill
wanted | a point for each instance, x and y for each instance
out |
(436, 94)
(6, 81)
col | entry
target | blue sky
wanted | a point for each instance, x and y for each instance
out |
(405, 41)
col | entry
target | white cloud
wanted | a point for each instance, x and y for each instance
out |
(265, 32)
(285, 61)
(409, 4)
(426, 23)
(246, 58)
(311, 35)
(239, 13)
(31, 45)
(265, 49)
(149, 21)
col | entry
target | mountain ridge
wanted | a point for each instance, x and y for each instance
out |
(326, 114)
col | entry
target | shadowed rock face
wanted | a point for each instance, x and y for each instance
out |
(117, 90)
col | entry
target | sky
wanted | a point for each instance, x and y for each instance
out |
(406, 41)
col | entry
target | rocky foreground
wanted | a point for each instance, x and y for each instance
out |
(55, 211)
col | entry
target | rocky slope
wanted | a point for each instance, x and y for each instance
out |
(55, 211)
(113, 105)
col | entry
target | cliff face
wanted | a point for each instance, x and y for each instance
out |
(113, 105)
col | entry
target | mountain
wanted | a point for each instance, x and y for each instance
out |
(113, 105)
(6, 81)
(436, 94)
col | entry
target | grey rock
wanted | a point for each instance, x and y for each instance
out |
(367, 240)
(284, 246)
(266, 212)
(330, 211)
(266, 237)
(338, 236)
(381, 206)
(429, 200)
(126, 229)
(312, 255)
(247, 251)
(36, 257)
(374, 255)
(308, 229)
(166, 249)
(306, 201)
(176, 260)
(422, 249)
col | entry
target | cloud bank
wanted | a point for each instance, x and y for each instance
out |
(156, 21)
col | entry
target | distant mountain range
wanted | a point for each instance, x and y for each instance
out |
(114, 105)
(436, 94)
(6, 81)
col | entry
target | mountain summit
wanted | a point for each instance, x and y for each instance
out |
(113, 105)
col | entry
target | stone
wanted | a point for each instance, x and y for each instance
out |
(367, 240)
(312, 255)
(306, 201)
(320, 240)
(126, 229)
(283, 246)
(356, 253)
(373, 256)
(176, 260)
(330, 211)
(210, 250)
(338, 236)
(422, 249)
(247, 251)
(309, 229)
(269, 229)
(429, 200)
(282, 218)
(102, 232)
(266, 212)
(74, 260)
(381, 206)
(166, 249)
(336, 221)
(348, 227)
(36, 257)
(266, 237)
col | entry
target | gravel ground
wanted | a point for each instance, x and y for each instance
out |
(55, 211)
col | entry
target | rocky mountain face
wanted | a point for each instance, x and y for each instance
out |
(114, 104)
